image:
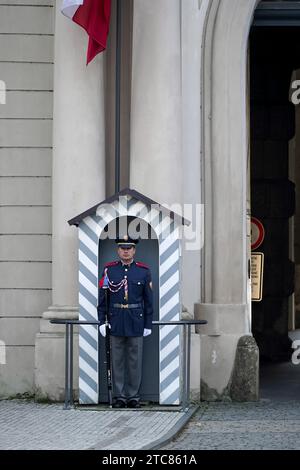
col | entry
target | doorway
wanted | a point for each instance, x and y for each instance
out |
(147, 252)
(275, 184)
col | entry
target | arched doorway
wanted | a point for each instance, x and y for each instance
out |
(226, 257)
(275, 152)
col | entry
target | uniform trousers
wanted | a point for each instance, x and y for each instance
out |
(127, 358)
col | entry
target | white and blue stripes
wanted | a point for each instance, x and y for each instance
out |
(167, 232)
(88, 299)
(169, 311)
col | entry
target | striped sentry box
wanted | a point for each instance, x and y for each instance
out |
(167, 229)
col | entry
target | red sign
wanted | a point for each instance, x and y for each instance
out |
(257, 233)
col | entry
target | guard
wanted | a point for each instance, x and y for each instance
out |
(130, 310)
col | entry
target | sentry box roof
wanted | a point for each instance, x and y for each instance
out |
(135, 195)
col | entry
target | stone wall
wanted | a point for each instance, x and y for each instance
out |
(26, 69)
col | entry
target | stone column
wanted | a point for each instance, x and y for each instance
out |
(225, 302)
(78, 183)
(165, 121)
(192, 25)
(156, 153)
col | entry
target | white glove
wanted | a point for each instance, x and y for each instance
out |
(102, 329)
(147, 332)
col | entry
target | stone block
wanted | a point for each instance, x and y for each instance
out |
(25, 248)
(23, 76)
(27, 104)
(25, 162)
(18, 331)
(25, 220)
(26, 133)
(244, 384)
(22, 48)
(221, 318)
(25, 191)
(26, 19)
(217, 361)
(50, 366)
(16, 376)
(30, 2)
(24, 302)
(25, 275)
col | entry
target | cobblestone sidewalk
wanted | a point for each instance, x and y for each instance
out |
(25, 425)
(265, 425)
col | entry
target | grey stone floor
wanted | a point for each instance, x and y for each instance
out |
(271, 423)
(242, 426)
(25, 425)
(267, 424)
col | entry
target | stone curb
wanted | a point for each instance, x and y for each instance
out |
(158, 443)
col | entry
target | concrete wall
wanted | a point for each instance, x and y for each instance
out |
(26, 68)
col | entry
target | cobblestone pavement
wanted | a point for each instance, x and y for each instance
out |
(242, 426)
(32, 426)
(264, 425)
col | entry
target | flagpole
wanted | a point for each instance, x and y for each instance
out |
(118, 96)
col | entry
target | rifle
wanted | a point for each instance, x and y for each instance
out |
(107, 351)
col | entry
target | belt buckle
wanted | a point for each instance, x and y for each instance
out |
(124, 306)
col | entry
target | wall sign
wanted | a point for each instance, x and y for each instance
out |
(257, 271)
(257, 233)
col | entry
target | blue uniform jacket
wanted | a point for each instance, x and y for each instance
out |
(127, 321)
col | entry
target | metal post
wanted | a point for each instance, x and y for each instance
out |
(69, 367)
(188, 364)
(186, 356)
(184, 361)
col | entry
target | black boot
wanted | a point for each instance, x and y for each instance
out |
(119, 404)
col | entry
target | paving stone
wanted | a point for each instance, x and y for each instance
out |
(241, 426)
(31, 426)
(262, 425)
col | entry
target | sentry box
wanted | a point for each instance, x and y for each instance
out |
(159, 230)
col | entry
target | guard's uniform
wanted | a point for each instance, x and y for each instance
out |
(130, 311)
(130, 306)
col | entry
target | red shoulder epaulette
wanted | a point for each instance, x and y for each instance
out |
(142, 265)
(111, 263)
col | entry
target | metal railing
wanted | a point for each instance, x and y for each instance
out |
(186, 324)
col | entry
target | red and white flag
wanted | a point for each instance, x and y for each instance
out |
(93, 16)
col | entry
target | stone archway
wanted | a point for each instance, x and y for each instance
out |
(225, 299)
